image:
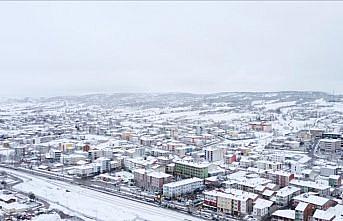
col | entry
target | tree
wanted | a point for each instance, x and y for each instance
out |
(4, 183)
(32, 196)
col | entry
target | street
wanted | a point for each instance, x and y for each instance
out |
(93, 204)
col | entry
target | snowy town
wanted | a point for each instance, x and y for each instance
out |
(227, 156)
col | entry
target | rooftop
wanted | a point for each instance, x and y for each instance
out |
(262, 203)
(310, 184)
(286, 191)
(193, 164)
(313, 199)
(289, 214)
(301, 206)
(182, 182)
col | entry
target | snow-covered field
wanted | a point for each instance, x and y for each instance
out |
(276, 105)
(47, 217)
(195, 115)
(92, 204)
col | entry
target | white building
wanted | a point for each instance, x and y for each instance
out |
(285, 195)
(71, 159)
(179, 188)
(297, 167)
(262, 207)
(310, 186)
(104, 164)
(56, 154)
(332, 213)
(84, 170)
(268, 165)
(328, 170)
(213, 154)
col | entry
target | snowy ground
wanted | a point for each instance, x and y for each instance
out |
(92, 204)
(47, 217)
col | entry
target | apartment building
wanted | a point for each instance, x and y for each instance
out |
(316, 202)
(151, 180)
(211, 199)
(329, 170)
(245, 163)
(261, 126)
(283, 215)
(84, 170)
(331, 135)
(262, 208)
(281, 178)
(190, 169)
(171, 146)
(316, 133)
(56, 155)
(330, 145)
(229, 203)
(179, 188)
(213, 154)
(311, 186)
(135, 163)
(95, 154)
(182, 151)
(303, 211)
(285, 195)
(250, 185)
(103, 164)
(268, 165)
(332, 213)
(335, 180)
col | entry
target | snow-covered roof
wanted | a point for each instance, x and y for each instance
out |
(268, 193)
(192, 164)
(287, 213)
(301, 206)
(183, 182)
(262, 203)
(323, 215)
(310, 184)
(313, 199)
(286, 191)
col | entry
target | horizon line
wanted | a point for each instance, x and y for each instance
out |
(161, 93)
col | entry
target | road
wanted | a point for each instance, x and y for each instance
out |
(93, 204)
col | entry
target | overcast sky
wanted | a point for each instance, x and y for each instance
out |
(62, 48)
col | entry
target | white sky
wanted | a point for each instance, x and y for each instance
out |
(60, 48)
